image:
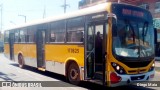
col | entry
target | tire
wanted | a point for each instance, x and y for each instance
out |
(73, 74)
(21, 61)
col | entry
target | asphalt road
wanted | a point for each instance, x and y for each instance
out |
(9, 71)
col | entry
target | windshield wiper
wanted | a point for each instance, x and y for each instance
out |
(144, 30)
(133, 33)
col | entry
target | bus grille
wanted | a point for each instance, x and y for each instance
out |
(136, 71)
(137, 77)
(137, 64)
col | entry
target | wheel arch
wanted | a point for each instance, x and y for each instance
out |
(68, 62)
(20, 53)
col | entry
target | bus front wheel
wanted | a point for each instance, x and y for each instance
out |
(20, 61)
(73, 74)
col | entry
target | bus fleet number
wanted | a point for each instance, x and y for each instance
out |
(73, 50)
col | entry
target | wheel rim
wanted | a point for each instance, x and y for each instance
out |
(73, 74)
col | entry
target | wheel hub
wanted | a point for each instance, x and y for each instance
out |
(74, 73)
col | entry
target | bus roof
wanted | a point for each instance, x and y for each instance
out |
(82, 12)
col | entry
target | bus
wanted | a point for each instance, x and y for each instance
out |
(111, 44)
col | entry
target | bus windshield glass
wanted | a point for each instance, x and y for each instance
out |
(133, 39)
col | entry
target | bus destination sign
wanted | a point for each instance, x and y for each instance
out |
(132, 13)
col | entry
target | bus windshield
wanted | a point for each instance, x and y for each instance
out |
(133, 39)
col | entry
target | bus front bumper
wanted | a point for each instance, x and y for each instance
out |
(131, 79)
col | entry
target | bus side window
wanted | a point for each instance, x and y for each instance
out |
(31, 34)
(52, 38)
(82, 38)
(57, 32)
(19, 40)
(6, 37)
(75, 29)
(16, 36)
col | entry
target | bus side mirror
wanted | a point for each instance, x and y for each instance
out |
(155, 35)
(113, 16)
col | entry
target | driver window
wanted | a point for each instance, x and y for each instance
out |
(122, 33)
(129, 36)
(126, 33)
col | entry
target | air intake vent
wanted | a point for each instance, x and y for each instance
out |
(136, 64)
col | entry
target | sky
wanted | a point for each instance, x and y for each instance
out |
(32, 9)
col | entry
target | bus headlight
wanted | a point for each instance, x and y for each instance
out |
(118, 68)
(152, 67)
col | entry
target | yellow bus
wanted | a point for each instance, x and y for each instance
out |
(110, 44)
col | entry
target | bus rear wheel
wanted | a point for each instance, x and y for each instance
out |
(20, 61)
(73, 74)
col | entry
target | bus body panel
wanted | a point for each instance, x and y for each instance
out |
(28, 52)
(56, 56)
(109, 51)
(62, 53)
(6, 50)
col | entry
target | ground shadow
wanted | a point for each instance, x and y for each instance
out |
(84, 84)
(6, 77)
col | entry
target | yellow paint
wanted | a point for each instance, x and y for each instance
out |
(109, 41)
(28, 50)
(6, 48)
(112, 59)
(42, 69)
(57, 53)
(108, 7)
(60, 53)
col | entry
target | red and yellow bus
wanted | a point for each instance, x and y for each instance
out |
(110, 44)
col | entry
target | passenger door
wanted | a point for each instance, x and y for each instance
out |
(95, 50)
(40, 41)
(11, 45)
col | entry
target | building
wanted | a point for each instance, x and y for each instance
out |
(152, 5)
(87, 3)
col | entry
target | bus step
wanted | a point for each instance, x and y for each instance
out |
(97, 81)
(41, 69)
(98, 75)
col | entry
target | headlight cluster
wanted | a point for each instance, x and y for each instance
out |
(152, 67)
(118, 68)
